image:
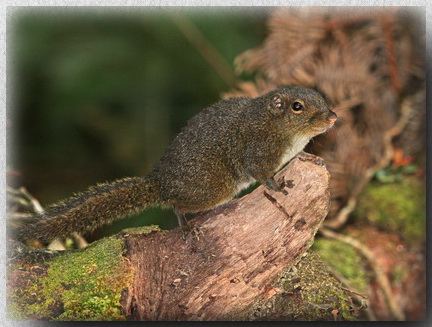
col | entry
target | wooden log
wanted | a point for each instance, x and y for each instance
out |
(245, 245)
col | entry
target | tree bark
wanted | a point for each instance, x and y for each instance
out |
(244, 246)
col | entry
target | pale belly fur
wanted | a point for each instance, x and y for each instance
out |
(243, 185)
(291, 151)
(288, 154)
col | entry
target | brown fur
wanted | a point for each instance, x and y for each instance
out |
(222, 149)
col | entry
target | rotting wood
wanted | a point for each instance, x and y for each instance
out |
(246, 244)
(248, 240)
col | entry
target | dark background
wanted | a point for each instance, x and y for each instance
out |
(97, 94)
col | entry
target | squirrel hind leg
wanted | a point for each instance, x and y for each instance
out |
(185, 226)
(181, 218)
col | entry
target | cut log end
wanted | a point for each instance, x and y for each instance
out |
(245, 244)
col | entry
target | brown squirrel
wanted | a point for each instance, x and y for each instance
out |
(222, 150)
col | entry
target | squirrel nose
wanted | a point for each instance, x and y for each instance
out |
(332, 118)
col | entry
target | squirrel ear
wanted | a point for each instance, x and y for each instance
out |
(276, 103)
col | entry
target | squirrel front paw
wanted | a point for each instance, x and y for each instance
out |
(271, 184)
(304, 156)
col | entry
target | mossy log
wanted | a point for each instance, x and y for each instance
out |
(247, 265)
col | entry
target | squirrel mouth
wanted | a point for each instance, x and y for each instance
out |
(319, 130)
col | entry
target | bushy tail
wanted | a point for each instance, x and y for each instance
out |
(98, 206)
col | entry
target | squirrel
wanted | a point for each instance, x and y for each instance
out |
(223, 149)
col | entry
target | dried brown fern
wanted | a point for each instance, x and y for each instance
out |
(367, 62)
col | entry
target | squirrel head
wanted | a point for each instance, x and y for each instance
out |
(304, 110)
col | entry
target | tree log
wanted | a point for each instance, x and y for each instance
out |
(244, 247)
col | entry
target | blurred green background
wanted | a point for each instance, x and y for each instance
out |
(97, 94)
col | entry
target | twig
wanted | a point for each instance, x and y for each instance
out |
(56, 245)
(354, 292)
(18, 215)
(381, 277)
(406, 109)
(362, 299)
(25, 198)
(207, 50)
(33, 201)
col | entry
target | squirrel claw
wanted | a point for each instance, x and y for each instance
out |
(193, 229)
(271, 184)
(304, 156)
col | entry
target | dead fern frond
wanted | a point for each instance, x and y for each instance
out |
(366, 61)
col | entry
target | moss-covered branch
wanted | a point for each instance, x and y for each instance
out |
(249, 258)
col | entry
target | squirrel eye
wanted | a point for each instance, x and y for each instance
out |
(297, 107)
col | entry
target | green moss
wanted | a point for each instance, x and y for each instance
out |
(396, 207)
(81, 285)
(142, 229)
(398, 274)
(307, 293)
(344, 259)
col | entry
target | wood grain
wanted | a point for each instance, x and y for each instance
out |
(245, 244)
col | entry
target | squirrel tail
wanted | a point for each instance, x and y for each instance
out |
(97, 206)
